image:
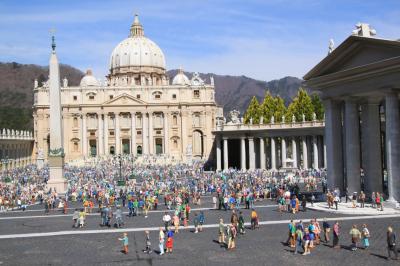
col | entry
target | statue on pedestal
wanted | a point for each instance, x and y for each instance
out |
(272, 119)
(261, 120)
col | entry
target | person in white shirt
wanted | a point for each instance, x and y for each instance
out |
(166, 220)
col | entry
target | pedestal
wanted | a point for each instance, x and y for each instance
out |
(56, 180)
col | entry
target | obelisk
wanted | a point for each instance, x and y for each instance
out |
(56, 181)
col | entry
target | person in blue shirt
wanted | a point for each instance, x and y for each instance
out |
(125, 243)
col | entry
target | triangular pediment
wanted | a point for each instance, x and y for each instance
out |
(355, 52)
(124, 99)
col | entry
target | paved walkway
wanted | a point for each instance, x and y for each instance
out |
(346, 208)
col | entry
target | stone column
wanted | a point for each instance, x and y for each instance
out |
(294, 152)
(305, 152)
(262, 153)
(273, 154)
(218, 140)
(100, 132)
(392, 145)
(117, 135)
(166, 134)
(243, 153)
(315, 152)
(371, 148)
(333, 135)
(145, 149)
(151, 140)
(283, 152)
(106, 150)
(252, 154)
(352, 141)
(226, 162)
(325, 164)
(133, 134)
(84, 135)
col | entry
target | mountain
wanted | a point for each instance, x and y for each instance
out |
(235, 92)
(16, 91)
(232, 92)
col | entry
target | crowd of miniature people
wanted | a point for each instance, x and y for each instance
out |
(115, 184)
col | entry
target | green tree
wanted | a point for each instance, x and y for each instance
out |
(318, 106)
(280, 109)
(300, 105)
(267, 107)
(253, 111)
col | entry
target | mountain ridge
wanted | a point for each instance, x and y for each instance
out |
(231, 92)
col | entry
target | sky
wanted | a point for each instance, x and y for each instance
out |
(262, 39)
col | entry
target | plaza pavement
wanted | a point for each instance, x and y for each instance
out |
(32, 238)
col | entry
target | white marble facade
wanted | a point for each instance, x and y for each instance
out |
(135, 110)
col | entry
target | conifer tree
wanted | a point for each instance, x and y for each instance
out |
(267, 107)
(318, 106)
(300, 105)
(253, 111)
(280, 109)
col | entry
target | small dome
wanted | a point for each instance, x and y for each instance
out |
(89, 80)
(180, 79)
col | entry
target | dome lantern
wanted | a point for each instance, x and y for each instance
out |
(136, 28)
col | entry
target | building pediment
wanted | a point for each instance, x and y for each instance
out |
(124, 99)
(353, 53)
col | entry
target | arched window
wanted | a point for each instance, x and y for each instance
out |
(175, 120)
(112, 150)
(139, 150)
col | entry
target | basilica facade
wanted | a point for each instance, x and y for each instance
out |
(135, 110)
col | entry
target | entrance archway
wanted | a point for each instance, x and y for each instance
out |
(139, 150)
(125, 146)
(93, 147)
(159, 146)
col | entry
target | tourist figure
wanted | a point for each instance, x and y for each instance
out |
(118, 217)
(327, 229)
(304, 203)
(75, 218)
(196, 223)
(202, 220)
(254, 219)
(125, 243)
(365, 236)
(299, 240)
(166, 219)
(306, 240)
(148, 243)
(355, 237)
(391, 242)
(336, 233)
(170, 241)
(241, 224)
(221, 233)
(161, 238)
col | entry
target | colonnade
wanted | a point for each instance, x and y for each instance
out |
(138, 128)
(15, 149)
(273, 152)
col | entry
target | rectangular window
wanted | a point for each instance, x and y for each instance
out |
(139, 132)
(174, 96)
(157, 96)
(92, 134)
(196, 94)
(75, 98)
(138, 96)
(91, 97)
(111, 96)
(158, 132)
(111, 133)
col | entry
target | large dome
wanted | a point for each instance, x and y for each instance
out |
(137, 52)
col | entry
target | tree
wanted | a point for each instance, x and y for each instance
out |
(267, 108)
(253, 111)
(300, 105)
(280, 109)
(318, 106)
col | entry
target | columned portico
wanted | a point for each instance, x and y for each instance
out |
(273, 154)
(133, 134)
(352, 146)
(315, 152)
(243, 153)
(393, 145)
(117, 135)
(371, 148)
(333, 136)
(283, 152)
(294, 152)
(305, 152)
(252, 154)
(226, 165)
(100, 133)
(218, 144)
(262, 153)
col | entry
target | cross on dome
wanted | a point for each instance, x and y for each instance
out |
(136, 28)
